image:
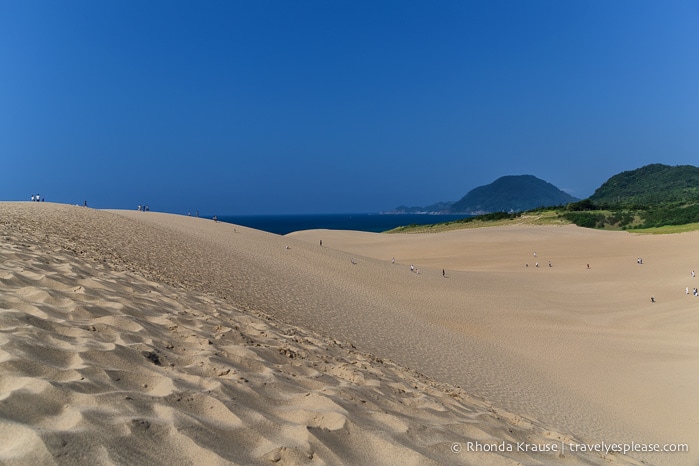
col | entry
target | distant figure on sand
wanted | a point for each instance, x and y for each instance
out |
(444, 274)
(692, 273)
(321, 243)
(354, 262)
(652, 299)
(215, 219)
(588, 266)
(412, 268)
(393, 260)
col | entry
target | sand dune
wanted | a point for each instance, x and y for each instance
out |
(146, 338)
(592, 332)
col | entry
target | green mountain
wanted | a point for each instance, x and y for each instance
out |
(652, 196)
(511, 194)
(649, 186)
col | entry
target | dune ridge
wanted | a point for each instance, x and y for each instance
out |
(151, 338)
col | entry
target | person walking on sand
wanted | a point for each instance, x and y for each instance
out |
(444, 274)
(393, 260)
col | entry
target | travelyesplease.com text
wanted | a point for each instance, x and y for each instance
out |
(562, 447)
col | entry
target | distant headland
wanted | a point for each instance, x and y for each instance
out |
(512, 193)
(653, 196)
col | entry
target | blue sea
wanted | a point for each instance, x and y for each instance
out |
(283, 224)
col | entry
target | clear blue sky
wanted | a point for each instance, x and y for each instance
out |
(234, 107)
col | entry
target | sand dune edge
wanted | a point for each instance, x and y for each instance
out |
(99, 364)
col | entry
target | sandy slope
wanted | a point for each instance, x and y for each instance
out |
(165, 337)
(630, 366)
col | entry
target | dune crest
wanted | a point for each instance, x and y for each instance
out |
(151, 340)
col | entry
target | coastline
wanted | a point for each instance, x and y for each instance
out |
(369, 222)
(483, 346)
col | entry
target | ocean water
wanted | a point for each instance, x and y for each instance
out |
(283, 224)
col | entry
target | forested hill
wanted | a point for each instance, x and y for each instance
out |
(650, 185)
(511, 194)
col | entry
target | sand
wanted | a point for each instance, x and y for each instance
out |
(148, 338)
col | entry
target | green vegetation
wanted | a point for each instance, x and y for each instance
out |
(669, 229)
(659, 216)
(641, 217)
(653, 196)
(652, 185)
(653, 199)
(456, 224)
(512, 194)
(538, 217)
(610, 220)
(490, 217)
